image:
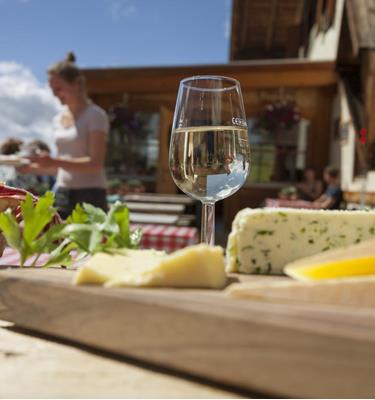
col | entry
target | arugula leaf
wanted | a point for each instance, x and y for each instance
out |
(135, 238)
(61, 255)
(78, 215)
(30, 241)
(10, 229)
(50, 239)
(87, 237)
(117, 224)
(94, 214)
(36, 217)
(88, 230)
(114, 228)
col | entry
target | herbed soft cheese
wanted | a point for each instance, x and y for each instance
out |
(264, 240)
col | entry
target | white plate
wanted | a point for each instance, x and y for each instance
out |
(15, 161)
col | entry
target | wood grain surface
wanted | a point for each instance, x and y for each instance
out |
(274, 349)
(34, 367)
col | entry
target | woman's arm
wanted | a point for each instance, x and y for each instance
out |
(92, 163)
(325, 201)
(34, 169)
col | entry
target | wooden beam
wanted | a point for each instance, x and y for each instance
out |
(368, 90)
(271, 24)
(351, 27)
(234, 37)
(165, 182)
(318, 15)
(250, 75)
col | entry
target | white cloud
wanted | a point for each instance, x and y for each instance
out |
(27, 107)
(228, 19)
(227, 29)
(122, 9)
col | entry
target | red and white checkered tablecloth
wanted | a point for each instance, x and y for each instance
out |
(167, 237)
(11, 257)
(159, 237)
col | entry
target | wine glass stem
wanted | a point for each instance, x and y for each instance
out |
(208, 224)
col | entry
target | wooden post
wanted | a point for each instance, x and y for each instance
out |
(368, 90)
(165, 182)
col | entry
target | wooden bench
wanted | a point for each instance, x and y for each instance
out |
(162, 208)
(159, 198)
(151, 208)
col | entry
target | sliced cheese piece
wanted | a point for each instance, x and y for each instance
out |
(265, 240)
(194, 266)
(199, 266)
(358, 259)
(358, 291)
(103, 267)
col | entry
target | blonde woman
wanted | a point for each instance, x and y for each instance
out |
(80, 135)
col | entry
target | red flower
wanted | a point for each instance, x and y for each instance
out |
(363, 136)
(281, 114)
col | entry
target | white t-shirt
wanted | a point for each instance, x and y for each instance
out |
(73, 141)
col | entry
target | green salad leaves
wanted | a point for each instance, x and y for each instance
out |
(87, 230)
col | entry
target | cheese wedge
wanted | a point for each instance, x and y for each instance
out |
(358, 291)
(355, 260)
(194, 266)
(103, 267)
(263, 241)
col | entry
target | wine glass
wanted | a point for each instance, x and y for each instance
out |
(209, 155)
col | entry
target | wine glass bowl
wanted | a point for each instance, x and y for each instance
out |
(209, 152)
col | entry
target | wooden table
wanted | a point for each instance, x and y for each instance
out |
(42, 367)
(276, 349)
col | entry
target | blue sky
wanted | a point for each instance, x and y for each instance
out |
(36, 33)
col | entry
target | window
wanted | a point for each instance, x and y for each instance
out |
(279, 155)
(133, 146)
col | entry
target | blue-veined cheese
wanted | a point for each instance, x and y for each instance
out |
(264, 240)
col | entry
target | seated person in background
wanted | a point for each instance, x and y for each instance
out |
(36, 147)
(39, 148)
(288, 193)
(9, 147)
(34, 184)
(332, 197)
(311, 188)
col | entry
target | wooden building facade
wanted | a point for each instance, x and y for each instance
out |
(311, 85)
(316, 55)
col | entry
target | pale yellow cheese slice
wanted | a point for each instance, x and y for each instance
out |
(103, 267)
(355, 260)
(194, 266)
(356, 291)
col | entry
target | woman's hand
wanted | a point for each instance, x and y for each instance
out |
(41, 164)
(27, 169)
(42, 161)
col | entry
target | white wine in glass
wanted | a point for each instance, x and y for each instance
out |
(209, 151)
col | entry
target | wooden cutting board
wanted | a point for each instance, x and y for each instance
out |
(272, 349)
